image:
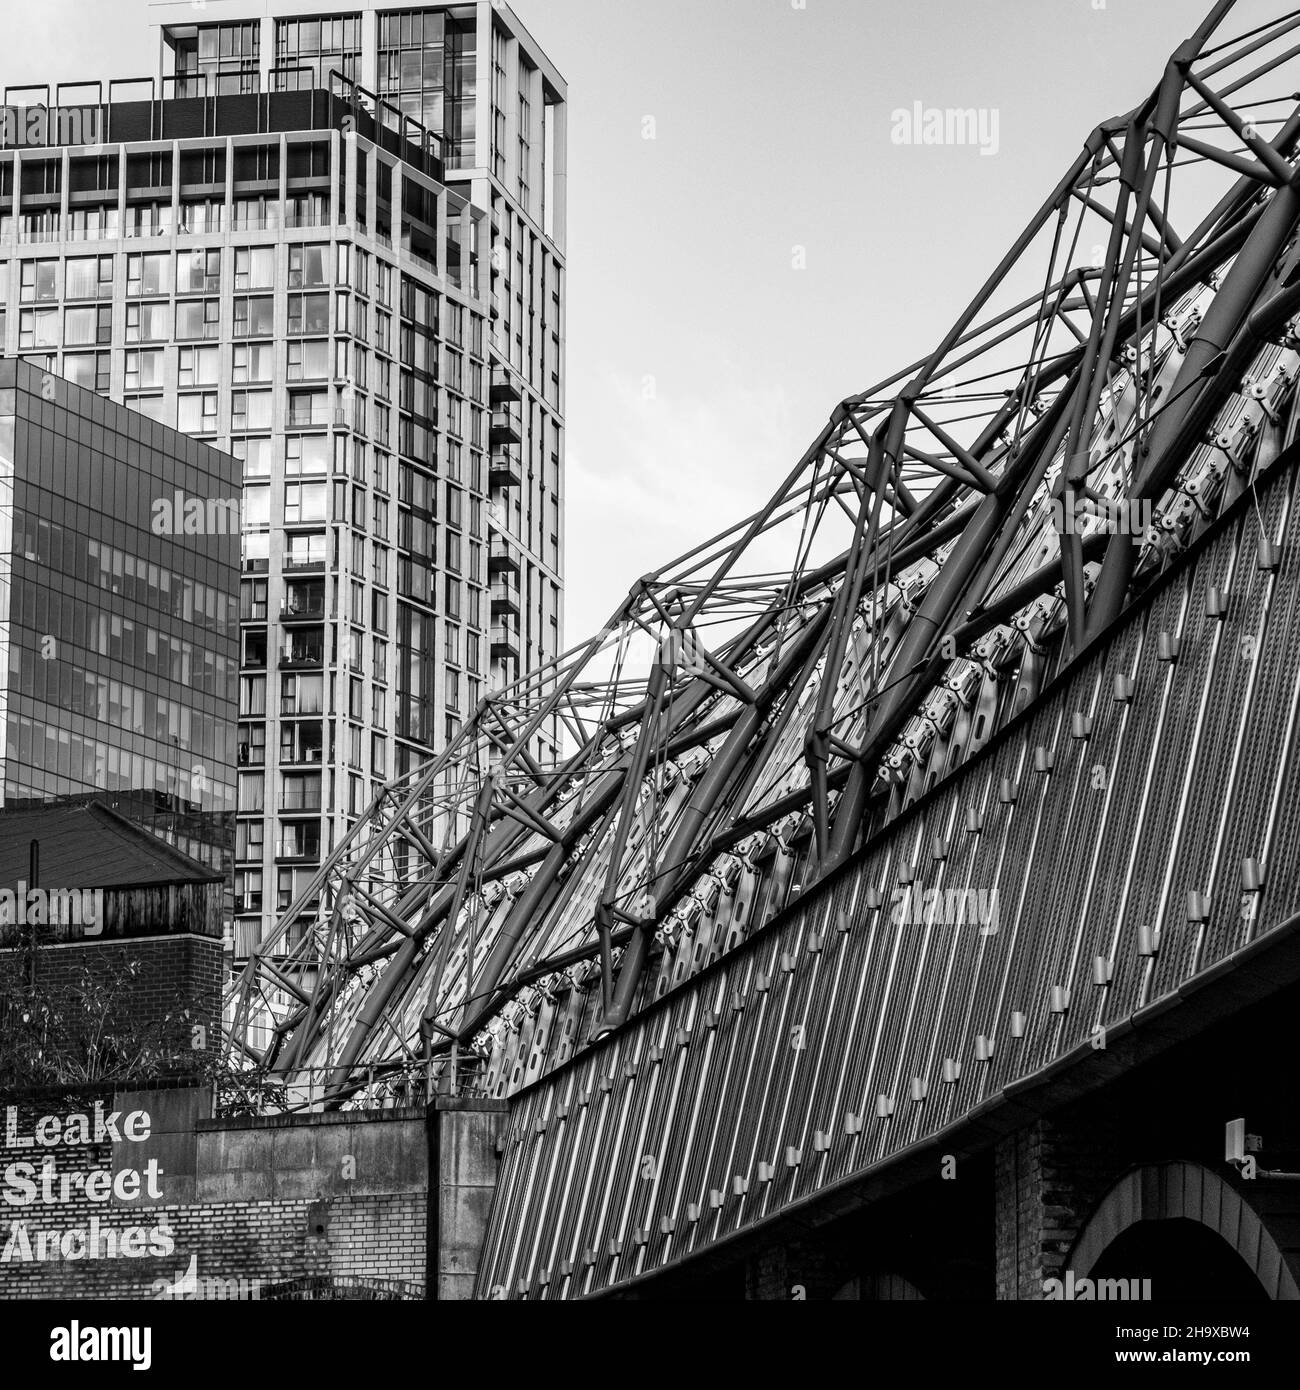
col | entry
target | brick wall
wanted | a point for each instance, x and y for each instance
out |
(1048, 1178)
(285, 1206)
(171, 973)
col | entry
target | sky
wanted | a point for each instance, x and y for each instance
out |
(747, 245)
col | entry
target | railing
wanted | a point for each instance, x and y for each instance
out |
(292, 850)
(410, 1086)
(302, 613)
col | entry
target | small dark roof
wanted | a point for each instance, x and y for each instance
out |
(90, 846)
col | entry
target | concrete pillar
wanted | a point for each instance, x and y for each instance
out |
(463, 1164)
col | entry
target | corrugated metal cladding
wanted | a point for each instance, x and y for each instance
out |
(831, 1041)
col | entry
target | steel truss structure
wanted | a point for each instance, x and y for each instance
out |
(952, 539)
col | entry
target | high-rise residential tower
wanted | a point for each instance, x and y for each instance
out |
(332, 243)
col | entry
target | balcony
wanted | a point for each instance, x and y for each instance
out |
(504, 470)
(500, 558)
(503, 386)
(505, 642)
(298, 851)
(311, 415)
(505, 427)
(314, 612)
(302, 557)
(303, 653)
(301, 745)
(505, 598)
(303, 602)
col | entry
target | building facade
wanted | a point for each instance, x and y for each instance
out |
(120, 629)
(267, 247)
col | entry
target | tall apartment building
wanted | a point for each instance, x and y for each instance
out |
(331, 243)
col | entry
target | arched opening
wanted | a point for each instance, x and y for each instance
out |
(1182, 1259)
(1188, 1231)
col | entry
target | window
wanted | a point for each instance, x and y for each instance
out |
(90, 277)
(148, 274)
(147, 323)
(308, 408)
(252, 600)
(306, 454)
(249, 833)
(255, 454)
(255, 268)
(148, 219)
(40, 281)
(252, 693)
(255, 648)
(250, 410)
(197, 414)
(202, 215)
(302, 693)
(151, 407)
(88, 369)
(248, 882)
(301, 791)
(144, 369)
(308, 548)
(198, 272)
(253, 362)
(256, 214)
(308, 313)
(309, 360)
(254, 317)
(93, 324)
(304, 503)
(198, 318)
(92, 224)
(252, 788)
(256, 508)
(38, 328)
(199, 366)
(307, 267)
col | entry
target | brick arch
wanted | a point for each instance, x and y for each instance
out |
(1187, 1191)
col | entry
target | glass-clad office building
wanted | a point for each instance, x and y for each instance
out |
(119, 583)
